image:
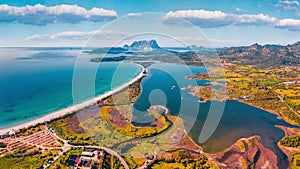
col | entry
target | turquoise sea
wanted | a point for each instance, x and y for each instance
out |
(37, 81)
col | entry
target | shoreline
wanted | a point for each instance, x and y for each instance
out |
(279, 116)
(74, 108)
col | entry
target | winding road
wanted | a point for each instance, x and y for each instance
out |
(66, 147)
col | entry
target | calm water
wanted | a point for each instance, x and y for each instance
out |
(238, 120)
(35, 82)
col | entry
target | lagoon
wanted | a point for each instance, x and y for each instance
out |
(238, 120)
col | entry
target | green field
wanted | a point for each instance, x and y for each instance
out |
(30, 160)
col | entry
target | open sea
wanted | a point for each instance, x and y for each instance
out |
(37, 81)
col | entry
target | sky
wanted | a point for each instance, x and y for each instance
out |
(80, 23)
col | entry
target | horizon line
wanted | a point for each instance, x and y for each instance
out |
(155, 40)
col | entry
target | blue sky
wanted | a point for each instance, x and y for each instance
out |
(223, 23)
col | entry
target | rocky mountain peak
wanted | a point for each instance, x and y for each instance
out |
(143, 45)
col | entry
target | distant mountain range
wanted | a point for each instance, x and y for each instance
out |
(263, 56)
(257, 55)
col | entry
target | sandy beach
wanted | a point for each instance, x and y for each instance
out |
(74, 108)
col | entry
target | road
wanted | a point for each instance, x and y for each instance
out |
(282, 100)
(66, 147)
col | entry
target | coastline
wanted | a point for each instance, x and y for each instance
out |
(278, 115)
(74, 108)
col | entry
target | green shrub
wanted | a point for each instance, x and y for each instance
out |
(291, 141)
(2, 145)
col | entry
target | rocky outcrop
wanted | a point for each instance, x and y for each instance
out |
(143, 45)
(247, 153)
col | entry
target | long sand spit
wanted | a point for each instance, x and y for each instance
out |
(73, 109)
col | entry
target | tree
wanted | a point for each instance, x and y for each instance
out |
(2, 145)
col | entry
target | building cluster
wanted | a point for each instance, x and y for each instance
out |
(11, 134)
(90, 158)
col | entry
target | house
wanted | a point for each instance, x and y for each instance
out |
(100, 153)
(85, 163)
(12, 132)
(51, 130)
(95, 165)
(4, 136)
(72, 160)
(87, 154)
(18, 131)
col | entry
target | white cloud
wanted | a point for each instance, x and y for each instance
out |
(42, 15)
(290, 24)
(287, 5)
(200, 18)
(247, 19)
(239, 10)
(289, 2)
(134, 15)
(76, 35)
(206, 19)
